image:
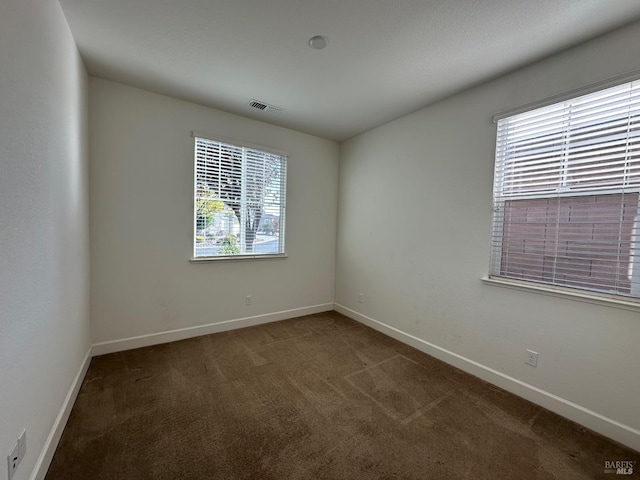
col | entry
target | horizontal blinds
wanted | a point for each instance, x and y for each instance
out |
(566, 185)
(240, 197)
(218, 170)
(589, 144)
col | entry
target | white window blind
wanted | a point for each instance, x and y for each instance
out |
(240, 198)
(566, 185)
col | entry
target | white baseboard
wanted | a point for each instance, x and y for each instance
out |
(190, 332)
(50, 445)
(599, 423)
(608, 427)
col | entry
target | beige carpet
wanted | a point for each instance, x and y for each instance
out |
(316, 397)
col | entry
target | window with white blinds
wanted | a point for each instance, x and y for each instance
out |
(240, 198)
(566, 188)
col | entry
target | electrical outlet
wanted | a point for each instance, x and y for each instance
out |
(22, 445)
(13, 459)
(361, 298)
(532, 358)
(249, 299)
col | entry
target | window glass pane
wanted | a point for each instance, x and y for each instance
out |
(572, 241)
(566, 200)
(240, 200)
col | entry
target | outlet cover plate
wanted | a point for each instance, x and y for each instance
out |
(532, 358)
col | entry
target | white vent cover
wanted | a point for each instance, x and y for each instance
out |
(265, 107)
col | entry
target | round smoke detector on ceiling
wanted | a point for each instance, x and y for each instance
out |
(318, 42)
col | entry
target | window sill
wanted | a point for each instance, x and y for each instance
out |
(235, 258)
(568, 293)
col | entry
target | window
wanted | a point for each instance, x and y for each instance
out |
(565, 199)
(240, 194)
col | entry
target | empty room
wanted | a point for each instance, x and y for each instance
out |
(284, 239)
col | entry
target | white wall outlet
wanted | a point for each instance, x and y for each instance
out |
(13, 459)
(361, 298)
(248, 299)
(532, 358)
(22, 445)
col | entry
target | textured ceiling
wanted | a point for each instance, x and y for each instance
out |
(385, 58)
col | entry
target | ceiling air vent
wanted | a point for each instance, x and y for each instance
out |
(265, 107)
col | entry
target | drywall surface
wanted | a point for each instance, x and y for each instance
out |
(141, 179)
(44, 227)
(415, 205)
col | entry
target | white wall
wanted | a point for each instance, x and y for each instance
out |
(44, 255)
(413, 237)
(141, 184)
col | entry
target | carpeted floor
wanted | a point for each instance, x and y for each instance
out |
(316, 397)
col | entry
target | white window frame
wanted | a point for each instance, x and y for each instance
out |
(625, 301)
(245, 147)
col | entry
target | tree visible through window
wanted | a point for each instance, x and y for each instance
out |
(566, 194)
(240, 195)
